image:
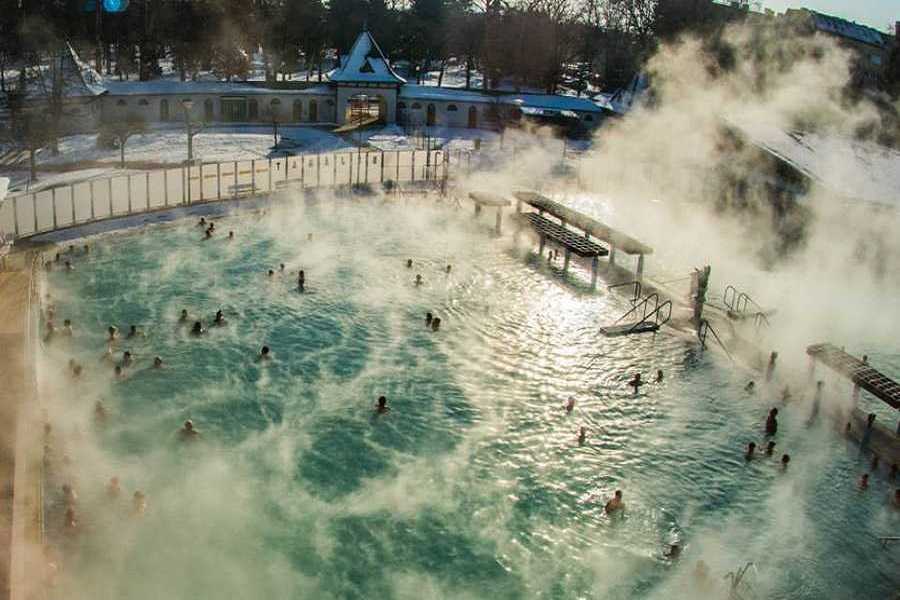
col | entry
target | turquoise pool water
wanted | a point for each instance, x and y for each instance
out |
(474, 485)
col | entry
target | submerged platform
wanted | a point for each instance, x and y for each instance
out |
(629, 328)
(579, 245)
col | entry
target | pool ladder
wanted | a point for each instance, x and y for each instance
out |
(738, 303)
(704, 330)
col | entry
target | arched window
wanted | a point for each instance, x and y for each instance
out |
(253, 110)
(451, 108)
(143, 102)
(313, 111)
(208, 109)
(416, 106)
(121, 102)
(298, 111)
(163, 110)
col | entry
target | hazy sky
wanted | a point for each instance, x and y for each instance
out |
(875, 13)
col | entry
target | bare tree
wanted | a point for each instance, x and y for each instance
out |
(118, 129)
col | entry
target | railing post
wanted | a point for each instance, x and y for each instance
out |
(53, 202)
(412, 155)
(398, 167)
(147, 191)
(129, 195)
(253, 178)
(302, 171)
(218, 181)
(366, 178)
(34, 211)
(270, 175)
(235, 180)
(185, 189)
(318, 170)
(382, 167)
(16, 215)
(166, 187)
(201, 182)
(93, 215)
(109, 195)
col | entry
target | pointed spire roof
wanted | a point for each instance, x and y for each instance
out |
(365, 63)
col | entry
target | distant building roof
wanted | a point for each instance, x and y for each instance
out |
(543, 104)
(76, 78)
(365, 63)
(843, 28)
(171, 86)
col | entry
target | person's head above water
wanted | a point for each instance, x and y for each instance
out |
(409, 263)
(189, 425)
(264, 352)
(271, 273)
(184, 314)
(157, 362)
(198, 327)
(281, 266)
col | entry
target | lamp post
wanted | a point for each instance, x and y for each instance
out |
(188, 104)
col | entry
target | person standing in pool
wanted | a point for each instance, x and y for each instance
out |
(157, 362)
(435, 324)
(785, 461)
(770, 368)
(197, 329)
(659, 376)
(428, 318)
(864, 482)
(636, 383)
(219, 320)
(301, 281)
(582, 435)
(772, 422)
(184, 316)
(188, 433)
(67, 328)
(817, 402)
(770, 448)
(409, 263)
(867, 433)
(615, 504)
(418, 281)
(381, 407)
(202, 222)
(264, 354)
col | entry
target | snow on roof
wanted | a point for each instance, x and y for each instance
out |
(77, 78)
(622, 100)
(365, 63)
(172, 86)
(540, 102)
(850, 168)
(847, 29)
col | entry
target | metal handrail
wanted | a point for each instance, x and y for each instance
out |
(734, 293)
(656, 313)
(704, 329)
(637, 289)
(643, 303)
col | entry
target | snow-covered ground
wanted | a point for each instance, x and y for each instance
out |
(393, 137)
(214, 144)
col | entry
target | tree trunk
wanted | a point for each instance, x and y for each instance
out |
(32, 163)
(122, 153)
(468, 71)
(441, 73)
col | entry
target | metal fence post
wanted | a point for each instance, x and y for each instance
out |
(253, 178)
(412, 156)
(235, 187)
(147, 190)
(93, 214)
(109, 194)
(270, 175)
(129, 194)
(166, 187)
(34, 211)
(53, 202)
(381, 175)
(398, 167)
(16, 215)
(201, 182)
(219, 180)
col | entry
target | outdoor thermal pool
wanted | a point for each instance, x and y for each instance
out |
(473, 485)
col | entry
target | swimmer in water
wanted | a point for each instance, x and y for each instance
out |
(230, 235)
(659, 376)
(139, 504)
(207, 234)
(570, 405)
(69, 495)
(87, 249)
(212, 227)
(582, 436)
(271, 273)
(219, 321)
(202, 222)
(157, 362)
(187, 432)
(381, 407)
(67, 328)
(281, 267)
(864, 481)
(750, 387)
(428, 318)
(772, 422)
(127, 359)
(409, 263)
(113, 333)
(71, 523)
(770, 368)
(636, 383)
(197, 329)
(435, 324)
(113, 490)
(751, 451)
(264, 354)
(770, 448)
(133, 332)
(118, 372)
(449, 268)
(51, 331)
(673, 552)
(301, 281)
(184, 316)
(785, 461)
(418, 280)
(69, 266)
(615, 503)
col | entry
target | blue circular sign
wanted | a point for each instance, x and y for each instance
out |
(115, 5)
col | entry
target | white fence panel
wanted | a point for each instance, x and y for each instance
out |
(156, 189)
(24, 206)
(81, 199)
(7, 217)
(119, 195)
(139, 193)
(209, 189)
(326, 169)
(62, 205)
(43, 206)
